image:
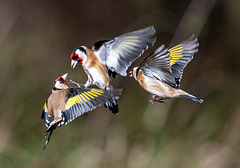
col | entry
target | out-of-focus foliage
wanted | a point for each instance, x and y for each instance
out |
(36, 39)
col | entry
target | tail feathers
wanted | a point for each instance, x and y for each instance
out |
(113, 95)
(112, 106)
(49, 133)
(112, 73)
(192, 98)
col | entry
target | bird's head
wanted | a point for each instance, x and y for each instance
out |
(134, 72)
(79, 55)
(60, 83)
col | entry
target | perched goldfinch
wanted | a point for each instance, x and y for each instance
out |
(108, 57)
(67, 103)
(161, 72)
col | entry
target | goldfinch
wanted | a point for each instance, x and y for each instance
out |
(108, 57)
(160, 73)
(67, 103)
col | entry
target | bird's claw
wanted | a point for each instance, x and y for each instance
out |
(152, 101)
(155, 99)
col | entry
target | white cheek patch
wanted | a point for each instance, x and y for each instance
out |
(57, 84)
(82, 55)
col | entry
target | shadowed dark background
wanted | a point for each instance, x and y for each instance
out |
(36, 40)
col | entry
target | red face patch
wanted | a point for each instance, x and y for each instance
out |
(73, 56)
(61, 80)
(80, 60)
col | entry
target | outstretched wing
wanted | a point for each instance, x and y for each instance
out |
(82, 100)
(181, 55)
(119, 53)
(77, 102)
(157, 65)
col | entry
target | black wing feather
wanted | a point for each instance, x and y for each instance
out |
(119, 53)
(81, 100)
(157, 65)
(181, 55)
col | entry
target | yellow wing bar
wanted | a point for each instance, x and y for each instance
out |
(175, 54)
(45, 105)
(83, 97)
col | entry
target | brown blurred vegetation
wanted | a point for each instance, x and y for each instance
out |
(36, 39)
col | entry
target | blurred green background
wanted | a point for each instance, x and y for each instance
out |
(36, 40)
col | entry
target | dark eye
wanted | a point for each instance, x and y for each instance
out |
(75, 58)
(61, 80)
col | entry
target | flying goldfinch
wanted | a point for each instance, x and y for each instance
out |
(160, 73)
(109, 57)
(67, 103)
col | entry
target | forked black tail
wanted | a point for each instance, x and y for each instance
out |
(49, 133)
(112, 106)
(113, 95)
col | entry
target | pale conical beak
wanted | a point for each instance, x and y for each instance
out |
(65, 76)
(130, 74)
(73, 63)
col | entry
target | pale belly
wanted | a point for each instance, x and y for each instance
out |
(158, 88)
(99, 79)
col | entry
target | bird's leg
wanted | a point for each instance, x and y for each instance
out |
(160, 101)
(153, 100)
(156, 99)
(75, 83)
(88, 83)
(90, 79)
